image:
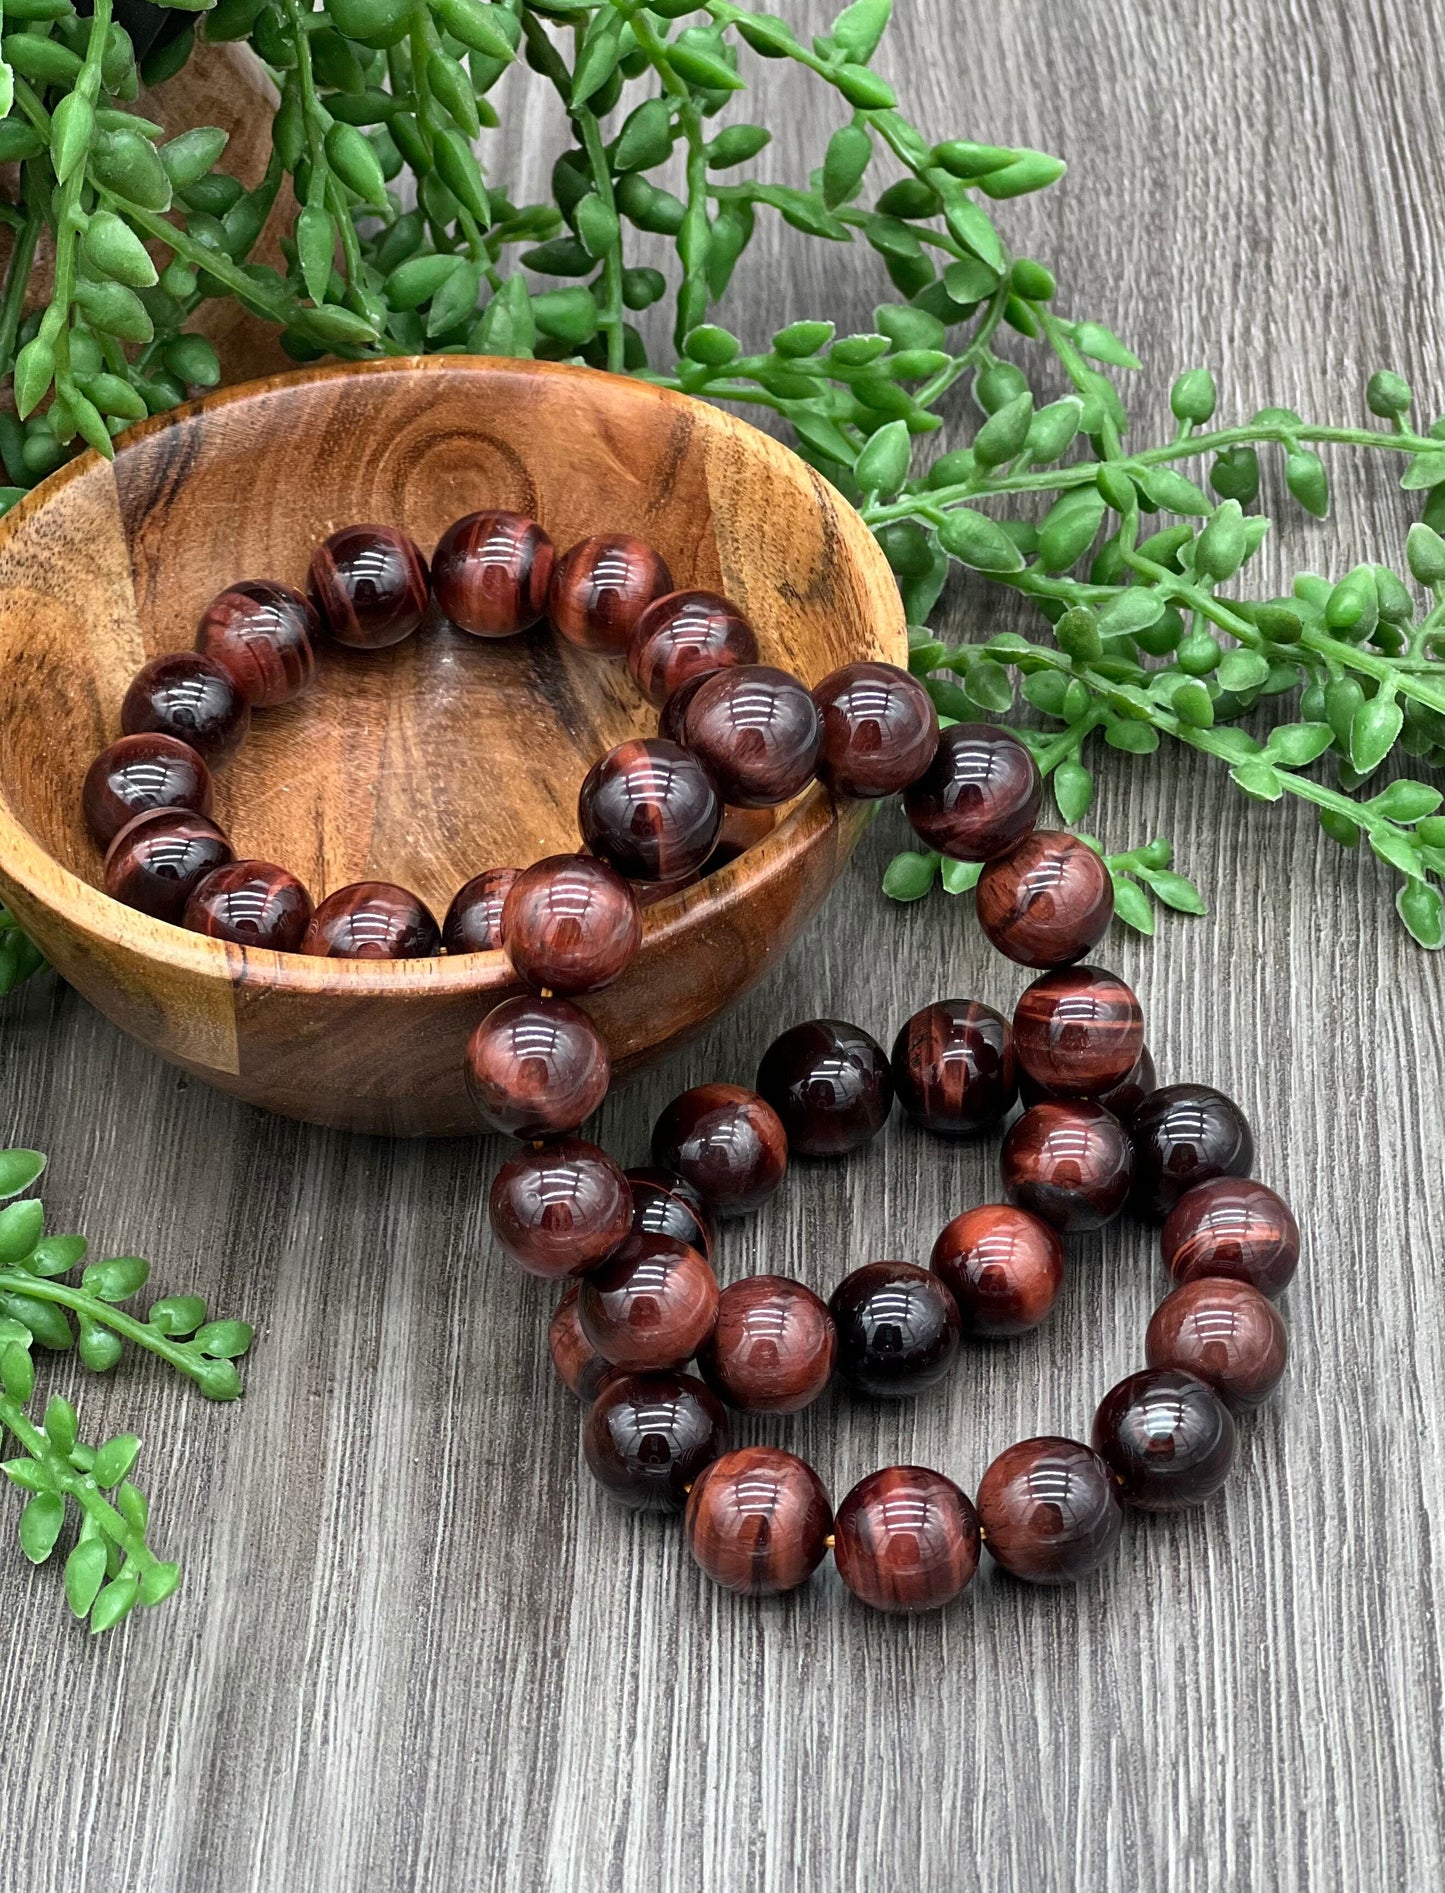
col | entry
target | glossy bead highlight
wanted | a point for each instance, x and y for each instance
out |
(830, 1084)
(898, 1329)
(1235, 1227)
(664, 1204)
(537, 1067)
(953, 1068)
(1185, 1135)
(579, 1367)
(978, 797)
(1050, 1510)
(601, 588)
(474, 919)
(140, 773)
(1069, 1162)
(1003, 1267)
(1047, 901)
(726, 1142)
(1225, 1332)
(372, 920)
(906, 1539)
(651, 1304)
(878, 730)
(370, 586)
(1078, 1031)
(491, 572)
(1167, 1438)
(648, 1437)
(685, 635)
(189, 697)
(159, 858)
(263, 635)
(571, 923)
(772, 1348)
(651, 809)
(757, 1521)
(251, 903)
(755, 730)
(560, 1210)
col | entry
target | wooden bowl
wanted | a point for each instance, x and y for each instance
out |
(421, 764)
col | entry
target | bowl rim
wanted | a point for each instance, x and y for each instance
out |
(83, 908)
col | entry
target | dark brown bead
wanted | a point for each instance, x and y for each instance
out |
(1122, 1101)
(1050, 1510)
(906, 1539)
(1078, 1031)
(1184, 1135)
(1236, 1227)
(672, 717)
(157, 860)
(1225, 1332)
(953, 1068)
(1047, 901)
(140, 773)
(726, 1142)
(684, 635)
(879, 730)
(773, 1347)
(580, 1368)
(253, 903)
(652, 1303)
(571, 923)
(1167, 1438)
(758, 1521)
(755, 729)
(372, 920)
(474, 919)
(560, 1210)
(1067, 1160)
(1003, 1267)
(830, 1085)
(537, 1067)
(191, 698)
(491, 573)
(651, 809)
(263, 636)
(648, 1437)
(978, 797)
(370, 586)
(601, 588)
(668, 1205)
(898, 1329)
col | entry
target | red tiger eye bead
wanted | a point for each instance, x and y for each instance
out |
(757, 1521)
(1050, 1510)
(1167, 1438)
(648, 1437)
(1069, 1161)
(1078, 1031)
(672, 718)
(263, 636)
(253, 903)
(898, 1329)
(726, 1142)
(571, 923)
(684, 635)
(560, 1210)
(1225, 1332)
(601, 588)
(1232, 1226)
(537, 1067)
(651, 809)
(1003, 1267)
(372, 920)
(491, 571)
(879, 730)
(979, 796)
(1184, 1135)
(191, 698)
(474, 919)
(139, 773)
(580, 1368)
(830, 1085)
(773, 1347)
(370, 586)
(1122, 1100)
(953, 1068)
(668, 1205)
(652, 1303)
(159, 857)
(906, 1539)
(756, 732)
(1046, 901)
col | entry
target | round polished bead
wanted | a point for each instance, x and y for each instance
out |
(1167, 1438)
(491, 572)
(726, 1142)
(372, 920)
(1122, 1100)
(253, 903)
(879, 730)
(1068, 1161)
(601, 588)
(830, 1085)
(1003, 1267)
(1184, 1135)
(667, 1205)
(191, 698)
(898, 1329)
(571, 923)
(1225, 1332)
(758, 1520)
(159, 858)
(561, 1209)
(652, 1303)
(139, 773)
(1050, 1510)
(651, 809)
(370, 586)
(474, 919)
(684, 635)
(1047, 901)
(537, 1067)
(648, 1437)
(755, 729)
(978, 797)
(1078, 1031)
(580, 1368)
(263, 635)
(906, 1539)
(773, 1347)
(1236, 1227)
(672, 717)
(953, 1068)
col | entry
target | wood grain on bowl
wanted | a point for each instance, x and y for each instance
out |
(425, 763)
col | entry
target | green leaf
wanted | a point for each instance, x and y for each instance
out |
(1425, 470)
(1242, 670)
(1373, 730)
(1137, 739)
(1296, 745)
(1220, 548)
(1003, 434)
(974, 539)
(72, 127)
(315, 249)
(1304, 475)
(1390, 845)
(1425, 550)
(972, 228)
(1053, 428)
(117, 1279)
(989, 686)
(1131, 904)
(17, 1371)
(189, 157)
(1258, 778)
(858, 29)
(84, 1575)
(1102, 345)
(1172, 492)
(1134, 609)
(114, 1604)
(99, 1348)
(1069, 528)
(707, 71)
(882, 467)
(45, 1321)
(21, 1227)
(159, 1583)
(910, 876)
(1175, 891)
(601, 48)
(960, 877)
(1026, 171)
(61, 1426)
(1193, 396)
(1423, 911)
(1406, 801)
(40, 1525)
(849, 153)
(114, 1461)
(34, 370)
(225, 1340)
(1073, 790)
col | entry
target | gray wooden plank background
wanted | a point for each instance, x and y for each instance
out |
(417, 1649)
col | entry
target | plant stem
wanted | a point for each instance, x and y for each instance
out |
(17, 280)
(77, 1485)
(40, 1288)
(609, 315)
